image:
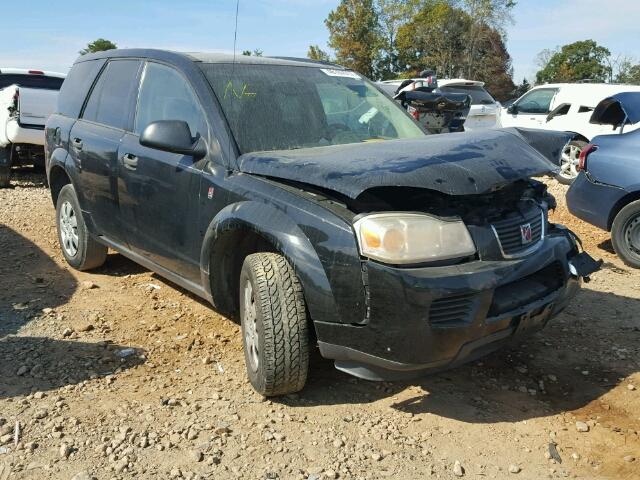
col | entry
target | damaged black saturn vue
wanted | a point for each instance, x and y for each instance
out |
(297, 196)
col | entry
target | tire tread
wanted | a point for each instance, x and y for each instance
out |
(617, 234)
(284, 318)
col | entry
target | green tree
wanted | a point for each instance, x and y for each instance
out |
(628, 72)
(354, 34)
(392, 15)
(485, 17)
(521, 89)
(493, 65)
(583, 60)
(98, 45)
(433, 38)
(256, 53)
(316, 53)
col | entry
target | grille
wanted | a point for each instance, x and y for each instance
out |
(509, 233)
(451, 310)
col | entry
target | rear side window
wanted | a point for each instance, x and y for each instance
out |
(30, 81)
(76, 86)
(166, 95)
(479, 96)
(111, 99)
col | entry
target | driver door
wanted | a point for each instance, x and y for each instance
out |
(531, 110)
(158, 190)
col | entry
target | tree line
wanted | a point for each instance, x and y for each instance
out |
(388, 39)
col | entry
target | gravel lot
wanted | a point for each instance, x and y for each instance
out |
(119, 374)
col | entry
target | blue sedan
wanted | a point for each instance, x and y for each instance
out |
(607, 191)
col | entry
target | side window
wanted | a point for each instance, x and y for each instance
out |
(166, 95)
(113, 95)
(76, 86)
(536, 101)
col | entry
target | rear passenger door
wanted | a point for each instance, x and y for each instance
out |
(158, 189)
(94, 142)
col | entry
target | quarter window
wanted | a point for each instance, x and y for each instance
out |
(165, 95)
(536, 101)
(113, 94)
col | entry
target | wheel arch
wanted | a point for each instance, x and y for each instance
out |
(58, 178)
(620, 204)
(249, 227)
(578, 136)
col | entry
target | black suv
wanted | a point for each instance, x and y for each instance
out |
(299, 196)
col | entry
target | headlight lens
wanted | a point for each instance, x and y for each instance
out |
(402, 238)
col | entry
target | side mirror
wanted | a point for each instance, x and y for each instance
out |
(512, 109)
(173, 136)
(561, 109)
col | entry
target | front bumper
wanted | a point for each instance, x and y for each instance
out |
(428, 319)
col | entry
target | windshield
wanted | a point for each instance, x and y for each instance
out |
(30, 81)
(479, 96)
(276, 107)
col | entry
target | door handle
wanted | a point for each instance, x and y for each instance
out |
(130, 161)
(77, 143)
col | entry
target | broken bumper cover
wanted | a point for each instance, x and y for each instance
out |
(432, 318)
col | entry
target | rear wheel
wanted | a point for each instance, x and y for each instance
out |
(274, 325)
(625, 234)
(569, 161)
(80, 250)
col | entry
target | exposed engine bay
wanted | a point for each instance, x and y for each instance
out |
(473, 209)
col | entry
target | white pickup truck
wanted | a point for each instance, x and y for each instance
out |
(27, 98)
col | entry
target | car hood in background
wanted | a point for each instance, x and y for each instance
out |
(455, 163)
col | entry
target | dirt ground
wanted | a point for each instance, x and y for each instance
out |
(118, 374)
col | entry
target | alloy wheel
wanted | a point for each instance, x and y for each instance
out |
(250, 323)
(69, 229)
(569, 161)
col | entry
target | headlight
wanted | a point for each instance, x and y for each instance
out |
(402, 238)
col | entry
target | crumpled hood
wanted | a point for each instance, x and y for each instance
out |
(455, 164)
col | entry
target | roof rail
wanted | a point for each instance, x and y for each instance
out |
(308, 60)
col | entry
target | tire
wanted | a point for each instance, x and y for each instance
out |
(5, 177)
(625, 234)
(274, 324)
(80, 250)
(569, 161)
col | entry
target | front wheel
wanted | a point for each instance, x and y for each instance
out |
(274, 325)
(80, 250)
(625, 234)
(569, 161)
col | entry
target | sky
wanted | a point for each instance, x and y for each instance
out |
(49, 35)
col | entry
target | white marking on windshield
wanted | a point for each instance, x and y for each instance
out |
(332, 72)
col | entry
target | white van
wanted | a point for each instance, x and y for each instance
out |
(565, 107)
